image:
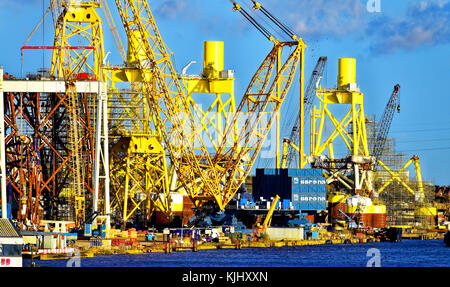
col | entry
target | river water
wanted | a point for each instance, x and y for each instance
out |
(407, 253)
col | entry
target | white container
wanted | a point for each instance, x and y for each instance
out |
(50, 242)
(279, 233)
(227, 74)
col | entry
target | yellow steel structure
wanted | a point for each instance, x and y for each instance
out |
(423, 207)
(78, 48)
(207, 174)
(284, 157)
(79, 22)
(419, 194)
(357, 143)
(139, 177)
(216, 117)
(355, 140)
(139, 170)
(213, 53)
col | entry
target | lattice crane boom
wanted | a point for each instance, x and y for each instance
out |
(385, 123)
(112, 27)
(207, 174)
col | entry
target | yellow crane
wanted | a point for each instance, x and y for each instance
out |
(139, 173)
(208, 174)
(268, 219)
(78, 51)
(113, 29)
(284, 158)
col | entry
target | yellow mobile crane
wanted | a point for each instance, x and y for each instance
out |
(209, 175)
(267, 221)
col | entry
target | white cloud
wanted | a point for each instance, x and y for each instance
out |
(172, 8)
(426, 23)
(310, 18)
(320, 18)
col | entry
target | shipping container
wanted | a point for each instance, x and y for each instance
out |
(88, 230)
(312, 172)
(284, 233)
(306, 188)
(286, 204)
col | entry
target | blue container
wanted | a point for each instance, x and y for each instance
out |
(286, 204)
(270, 171)
(103, 230)
(313, 172)
(315, 235)
(88, 230)
(308, 200)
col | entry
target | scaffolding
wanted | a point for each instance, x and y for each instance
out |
(402, 207)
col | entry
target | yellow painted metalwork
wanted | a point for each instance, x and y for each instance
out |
(302, 155)
(278, 115)
(139, 170)
(286, 143)
(78, 26)
(346, 72)
(426, 211)
(285, 153)
(135, 40)
(350, 128)
(78, 48)
(143, 167)
(338, 198)
(213, 59)
(395, 176)
(357, 143)
(268, 218)
(419, 195)
(215, 118)
(419, 176)
(207, 173)
(139, 177)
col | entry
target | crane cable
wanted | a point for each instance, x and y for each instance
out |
(277, 22)
(255, 23)
(264, 20)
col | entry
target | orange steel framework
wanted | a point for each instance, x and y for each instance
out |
(37, 151)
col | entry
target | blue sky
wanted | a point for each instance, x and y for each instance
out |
(407, 42)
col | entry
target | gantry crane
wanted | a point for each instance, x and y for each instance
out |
(290, 145)
(208, 174)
